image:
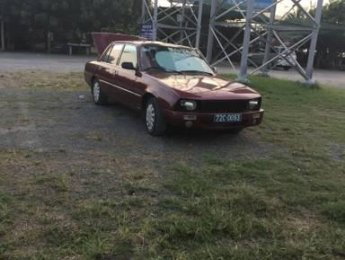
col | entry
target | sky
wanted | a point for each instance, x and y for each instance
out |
(282, 7)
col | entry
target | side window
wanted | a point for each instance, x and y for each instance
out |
(129, 54)
(115, 53)
(105, 55)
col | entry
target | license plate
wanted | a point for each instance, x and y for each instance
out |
(227, 118)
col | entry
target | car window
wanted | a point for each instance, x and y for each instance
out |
(105, 56)
(115, 53)
(129, 54)
(172, 59)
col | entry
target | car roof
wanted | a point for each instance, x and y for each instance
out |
(142, 43)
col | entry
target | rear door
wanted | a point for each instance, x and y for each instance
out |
(110, 75)
(103, 69)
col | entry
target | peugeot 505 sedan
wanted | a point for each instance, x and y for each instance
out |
(173, 85)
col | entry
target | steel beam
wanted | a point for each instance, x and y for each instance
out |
(210, 39)
(155, 22)
(199, 23)
(269, 38)
(243, 75)
(313, 42)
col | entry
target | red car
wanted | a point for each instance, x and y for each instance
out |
(173, 85)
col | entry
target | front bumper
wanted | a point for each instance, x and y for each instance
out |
(206, 120)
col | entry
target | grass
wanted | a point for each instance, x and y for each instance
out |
(287, 204)
(44, 80)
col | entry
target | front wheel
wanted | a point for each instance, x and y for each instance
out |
(98, 95)
(154, 120)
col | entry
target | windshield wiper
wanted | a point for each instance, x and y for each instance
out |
(174, 71)
(163, 69)
(154, 68)
(197, 71)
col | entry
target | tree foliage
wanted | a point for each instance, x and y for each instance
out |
(331, 43)
(29, 21)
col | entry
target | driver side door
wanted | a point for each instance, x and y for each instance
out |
(129, 80)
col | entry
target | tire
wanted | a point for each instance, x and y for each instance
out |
(154, 119)
(99, 97)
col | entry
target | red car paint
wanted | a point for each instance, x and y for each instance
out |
(133, 87)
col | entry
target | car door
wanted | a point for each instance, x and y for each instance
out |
(109, 72)
(103, 69)
(129, 80)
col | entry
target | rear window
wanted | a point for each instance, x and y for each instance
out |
(115, 53)
(105, 55)
(129, 54)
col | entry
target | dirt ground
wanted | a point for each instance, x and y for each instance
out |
(46, 110)
(49, 117)
(46, 106)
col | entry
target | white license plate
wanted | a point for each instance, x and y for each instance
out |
(227, 118)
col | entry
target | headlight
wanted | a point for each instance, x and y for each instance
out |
(254, 104)
(189, 105)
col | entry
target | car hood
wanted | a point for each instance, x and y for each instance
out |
(202, 85)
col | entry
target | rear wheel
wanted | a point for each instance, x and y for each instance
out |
(154, 120)
(98, 95)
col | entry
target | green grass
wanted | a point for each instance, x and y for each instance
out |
(286, 204)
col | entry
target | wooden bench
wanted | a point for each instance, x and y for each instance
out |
(78, 45)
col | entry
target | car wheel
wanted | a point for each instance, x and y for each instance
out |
(154, 120)
(98, 95)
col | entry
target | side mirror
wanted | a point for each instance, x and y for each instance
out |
(128, 66)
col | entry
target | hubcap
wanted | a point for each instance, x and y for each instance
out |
(150, 117)
(96, 91)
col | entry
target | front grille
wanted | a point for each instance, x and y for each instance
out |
(228, 106)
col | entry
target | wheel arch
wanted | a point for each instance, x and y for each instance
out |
(93, 78)
(92, 81)
(145, 98)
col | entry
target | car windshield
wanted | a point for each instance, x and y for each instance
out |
(173, 59)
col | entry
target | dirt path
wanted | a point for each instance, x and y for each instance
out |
(11, 62)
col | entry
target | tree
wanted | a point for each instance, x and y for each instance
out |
(29, 21)
(331, 43)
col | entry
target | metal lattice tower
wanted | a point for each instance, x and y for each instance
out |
(237, 28)
(179, 22)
